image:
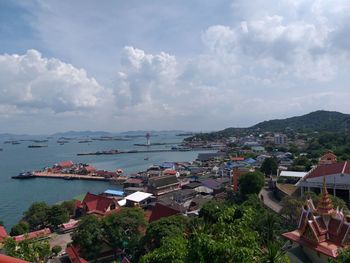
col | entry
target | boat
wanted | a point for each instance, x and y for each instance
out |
(146, 158)
(69, 178)
(15, 142)
(85, 141)
(37, 146)
(24, 175)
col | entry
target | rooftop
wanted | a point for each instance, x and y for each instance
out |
(138, 196)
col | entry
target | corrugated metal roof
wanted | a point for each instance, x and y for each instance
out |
(114, 192)
(293, 174)
(138, 196)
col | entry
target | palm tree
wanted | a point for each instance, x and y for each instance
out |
(274, 254)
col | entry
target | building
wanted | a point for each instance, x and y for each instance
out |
(321, 231)
(3, 234)
(337, 176)
(139, 199)
(8, 259)
(159, 211)
(163, 184)
(280, 139)
(31, 235)
(328, 158)
(98, 205)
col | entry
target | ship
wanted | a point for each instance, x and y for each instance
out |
(37, 146)
(85, 141)
(24, 175)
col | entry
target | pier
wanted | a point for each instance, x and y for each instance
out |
(114, 152)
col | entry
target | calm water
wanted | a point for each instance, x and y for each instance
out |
(17, 195)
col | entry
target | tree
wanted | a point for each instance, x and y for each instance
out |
(29, 250)
(57, 215)
(124, 229)
(21, 228)
(37, 215)
(343, 256)
(56, 249)
(173, 249)
(269, 166)
(291, 209)
(274, 254)
(70, 206)
(211, 210)
(88, 236)
(162, 228)
(251, 183)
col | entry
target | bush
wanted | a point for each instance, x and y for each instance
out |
(56, 249)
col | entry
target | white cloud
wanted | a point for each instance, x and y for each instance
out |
(35, 82)
(253, 61)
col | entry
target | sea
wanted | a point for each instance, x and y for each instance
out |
(17, 195)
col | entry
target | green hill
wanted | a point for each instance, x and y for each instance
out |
(330, 121)
(320, 121)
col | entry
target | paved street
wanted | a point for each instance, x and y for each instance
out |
(270, 201)
(60, 240)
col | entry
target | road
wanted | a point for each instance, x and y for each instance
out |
(269, 200)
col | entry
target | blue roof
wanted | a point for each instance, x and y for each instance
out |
(114, 192)
(167, 165)
(250, 160)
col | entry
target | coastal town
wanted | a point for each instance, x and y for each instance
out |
(174, 131)
(288, 180)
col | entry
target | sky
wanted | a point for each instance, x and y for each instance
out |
(196, 65)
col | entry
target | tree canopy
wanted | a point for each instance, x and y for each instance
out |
(88, 236)
(251, 183)
(269, 166)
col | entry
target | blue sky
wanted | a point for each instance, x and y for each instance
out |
(193, 65)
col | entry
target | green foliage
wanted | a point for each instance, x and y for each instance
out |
(227, 240)
(70, 206)
(37, 215)
(29, 250)
(269, 166)
(274, 254)
(88, 236)
(251, 183)
(124, 229)
(56, 249)
(57, 215)
(291, 209)
(21, 228)
(173, 249)
(162, 228)
(211, 211)
(343, 256)
(1, 223)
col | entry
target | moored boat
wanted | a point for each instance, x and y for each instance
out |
(24, 175)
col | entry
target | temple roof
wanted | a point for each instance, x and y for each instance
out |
(325, 205)
(322, 229)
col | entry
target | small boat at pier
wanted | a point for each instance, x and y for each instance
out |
(24, 175)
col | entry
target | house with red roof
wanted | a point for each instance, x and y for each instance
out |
(3, 234)
(159, 211)
(322, 231)
(31, 235)
(74, 256)
(8, 259)
(66, 164)
(99, 205)
(337, 175)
